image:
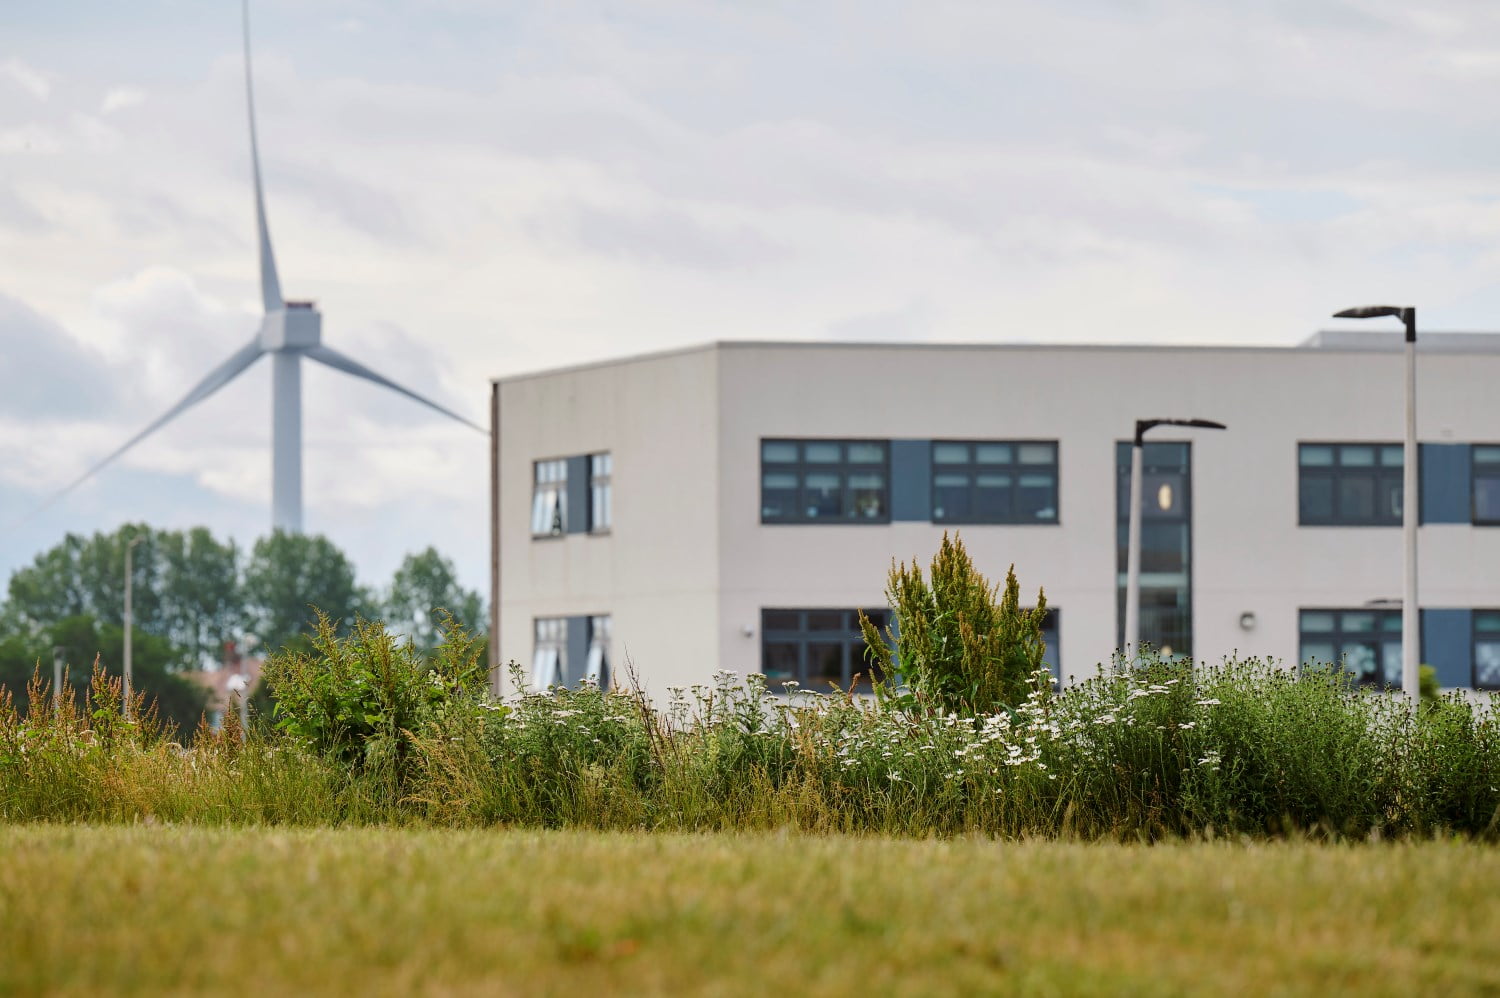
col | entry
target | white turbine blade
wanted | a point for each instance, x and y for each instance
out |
(270, 285)
(215, 379)
(337, 361)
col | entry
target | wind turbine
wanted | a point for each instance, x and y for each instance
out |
(289, 331)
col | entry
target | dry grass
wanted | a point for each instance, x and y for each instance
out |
(159, 909)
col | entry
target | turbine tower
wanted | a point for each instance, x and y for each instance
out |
(289, 331)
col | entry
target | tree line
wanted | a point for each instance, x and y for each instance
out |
(191, 593)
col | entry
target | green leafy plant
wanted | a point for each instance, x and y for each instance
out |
(364, 699)
(1427, 684)
(961, 644)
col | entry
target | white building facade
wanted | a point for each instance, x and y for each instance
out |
(732, 506)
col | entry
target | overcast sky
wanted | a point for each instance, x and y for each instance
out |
(473, 189)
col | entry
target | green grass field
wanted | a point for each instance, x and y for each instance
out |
(158, 909)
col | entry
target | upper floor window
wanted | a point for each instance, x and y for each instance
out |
(818, 481)
(1487, 649)
(1486, 483)
(1349, 484)
(547, 655)
(549, 498)
(1366, 642)
(601, 513)
(985, 481)
(816, 648)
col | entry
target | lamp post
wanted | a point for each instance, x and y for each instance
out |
(1133, 539)
(1411, 624)
(58, 651)
(129, 621)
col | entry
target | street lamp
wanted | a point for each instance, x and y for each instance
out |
(1133, 542)
(129, 620)
(58, 653)
(1410, 618)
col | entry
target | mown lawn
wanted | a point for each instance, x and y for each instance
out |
(157, 909)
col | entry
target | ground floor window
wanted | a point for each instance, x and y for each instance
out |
(817, 648)
(596, 670)
(1487, 649)
(1367, 643)
(547, 656)
(1052, 654)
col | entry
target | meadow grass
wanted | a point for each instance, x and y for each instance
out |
(1168, 751)
(162, 909)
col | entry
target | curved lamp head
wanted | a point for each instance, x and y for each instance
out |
(1405, 313)
(1142, 425)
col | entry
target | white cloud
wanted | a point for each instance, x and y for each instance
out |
(119, 98)
(27, 78)
(470, 193)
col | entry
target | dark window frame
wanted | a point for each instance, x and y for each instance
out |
(848, 636)
(1491, 637)
(848, 514)
(1052, 624)
(1474, 471)
(973, 468)
(601, 482)
(556, 486)
(1380, 636)
(1378, 473)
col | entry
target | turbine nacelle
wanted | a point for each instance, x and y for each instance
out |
(298, 326)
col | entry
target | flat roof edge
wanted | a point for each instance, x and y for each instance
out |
(1317, 344)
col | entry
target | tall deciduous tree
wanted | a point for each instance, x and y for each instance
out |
(86, 575)
(290, 577)
(424, 584)
(186, 587)
(202, 602)
(81, 639)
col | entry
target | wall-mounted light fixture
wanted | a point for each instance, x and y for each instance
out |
(1247, 621)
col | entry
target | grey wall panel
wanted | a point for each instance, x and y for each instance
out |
(578, 494)
(576, 655)
(911, 480)
(1445, 470)
(1447, 646)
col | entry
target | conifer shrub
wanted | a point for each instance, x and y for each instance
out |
(961, 644)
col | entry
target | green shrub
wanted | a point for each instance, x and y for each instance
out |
(960, 643)
(1427, 683)
(364, 698)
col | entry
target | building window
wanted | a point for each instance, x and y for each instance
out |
(547, 657)
(597, 669)
(1166, 546)
(549, 498)
(1487, 649)
(825, 481)
(1366, 642)
(1052, 654)
(1486, 483)
(816, 648)
(1349, 484)
(988, 481)
(601, 513)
